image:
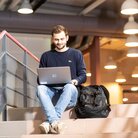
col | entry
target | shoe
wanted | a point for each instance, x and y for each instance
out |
(56, 127)
(45, 127)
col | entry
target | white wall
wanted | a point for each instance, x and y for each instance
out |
(35, 43)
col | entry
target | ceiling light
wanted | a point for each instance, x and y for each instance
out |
(135, 72)
(125, 99)
(25, 8)
(120, 77)
(110, 64)
(132, 52)
(129, 7)
(131, 41)
(131, 27)
(88, 74)
(134, 89)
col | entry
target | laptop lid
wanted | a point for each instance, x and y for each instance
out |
(54, 75)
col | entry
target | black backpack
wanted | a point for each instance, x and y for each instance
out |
(93, 102)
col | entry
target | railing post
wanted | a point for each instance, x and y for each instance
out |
(4, 77)
(25, 79)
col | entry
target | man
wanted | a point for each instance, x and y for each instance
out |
(60, 56)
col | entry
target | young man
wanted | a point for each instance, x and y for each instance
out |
(60, 56)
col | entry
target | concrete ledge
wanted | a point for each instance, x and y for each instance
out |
(73, 126)
(103, 135)
(36, 113)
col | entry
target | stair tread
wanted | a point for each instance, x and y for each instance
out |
(78, 126)
(122, 122)
(32, 113)
(96, 135)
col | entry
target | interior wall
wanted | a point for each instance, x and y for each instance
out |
(35, 43)
(116, 92)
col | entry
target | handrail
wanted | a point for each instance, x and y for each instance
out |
(3, 33)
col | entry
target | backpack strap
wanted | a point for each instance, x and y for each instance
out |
(106, 92)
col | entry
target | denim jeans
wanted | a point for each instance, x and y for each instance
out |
(65, 97)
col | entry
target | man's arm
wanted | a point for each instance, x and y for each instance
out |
(81, 69)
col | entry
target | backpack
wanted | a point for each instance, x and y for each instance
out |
(93, 102)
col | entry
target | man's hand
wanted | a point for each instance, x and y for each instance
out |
(74, 82)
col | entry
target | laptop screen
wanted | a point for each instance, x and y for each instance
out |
(54, 75)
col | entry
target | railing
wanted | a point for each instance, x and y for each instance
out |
(18, 77)
(18, 43)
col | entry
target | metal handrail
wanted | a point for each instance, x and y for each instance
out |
(3, 33)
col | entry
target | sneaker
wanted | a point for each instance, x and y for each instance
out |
(45, 127)
(56, 127)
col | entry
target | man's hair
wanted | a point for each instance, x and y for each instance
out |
(59, 28)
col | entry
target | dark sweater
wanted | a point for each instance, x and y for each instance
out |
(71, 57)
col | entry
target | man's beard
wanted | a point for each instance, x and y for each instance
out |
(60, 48)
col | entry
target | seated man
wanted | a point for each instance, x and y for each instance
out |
(61, 55)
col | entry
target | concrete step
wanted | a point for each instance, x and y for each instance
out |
(33, 113)
(12, 136)
(53, 136)
(18, 128)
(78, 126)
(36, 113)
(126, 110)
(103, 135)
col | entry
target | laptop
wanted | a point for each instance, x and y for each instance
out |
(54, 75)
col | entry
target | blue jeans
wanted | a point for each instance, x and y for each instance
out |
(65, 97)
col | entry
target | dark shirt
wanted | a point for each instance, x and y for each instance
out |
(71, 57)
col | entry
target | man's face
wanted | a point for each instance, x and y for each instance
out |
(59, 40)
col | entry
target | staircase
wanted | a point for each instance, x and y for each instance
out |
(122, 122)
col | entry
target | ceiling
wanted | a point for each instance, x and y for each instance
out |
(91, 17)
(93, 8)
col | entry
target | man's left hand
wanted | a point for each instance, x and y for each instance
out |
(74, 82)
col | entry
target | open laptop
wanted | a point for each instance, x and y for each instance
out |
(54, 75)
